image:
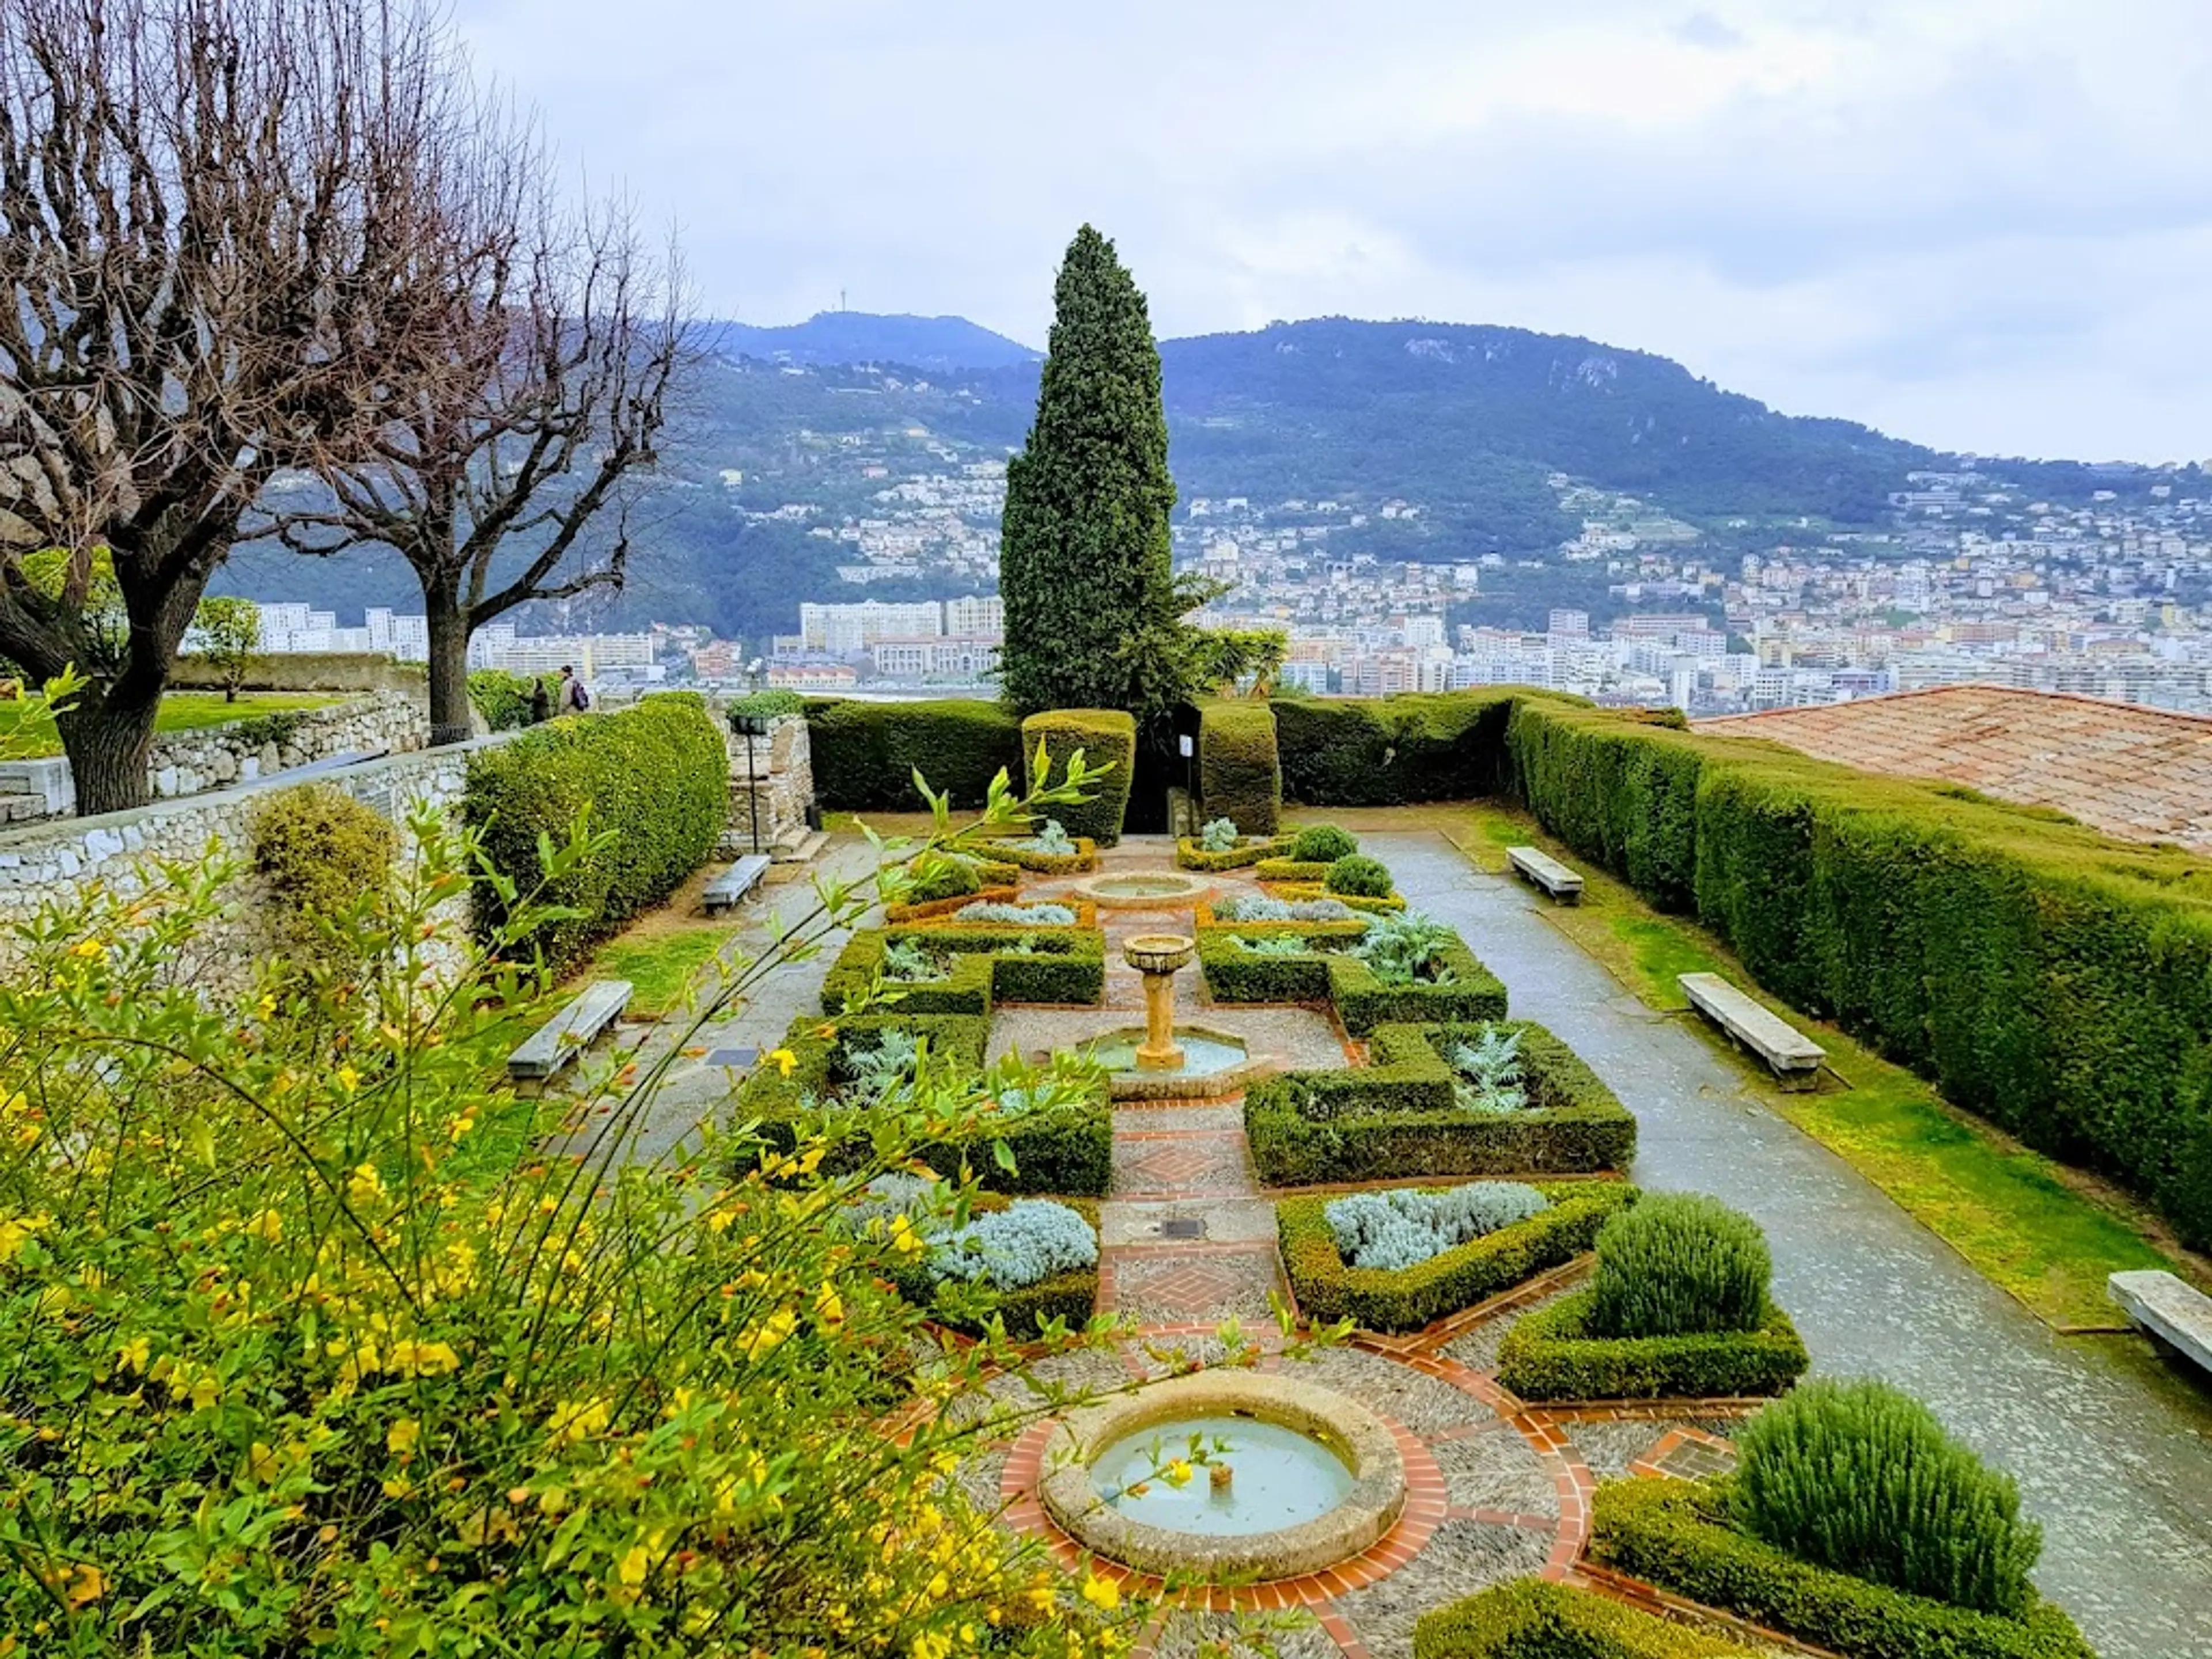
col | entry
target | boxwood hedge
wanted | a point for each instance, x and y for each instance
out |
(989, 966)
(1410, 1298)
(1189, 855)
(1529, 1619)
(1395, 1117)
(1676, 1535)
(865, 754)
(1362, 1001)
(656, 773)
(1008, 849)
(1240, 777)
(1390, 751)
(1068, 1149)
(1549, 1354)
(1108, 738)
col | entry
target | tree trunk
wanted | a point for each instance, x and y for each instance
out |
(449, 668)
(107, 738)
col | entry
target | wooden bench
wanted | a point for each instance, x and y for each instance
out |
(2175, 1313)
(1548, 872)
(1796, 1058)
(569, 1032)
(729, 888)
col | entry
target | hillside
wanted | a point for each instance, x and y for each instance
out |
(936, 344)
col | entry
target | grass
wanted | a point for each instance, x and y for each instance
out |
(182, 711)
(2046, 1234)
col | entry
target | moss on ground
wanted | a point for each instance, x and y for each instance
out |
(2046, 1234)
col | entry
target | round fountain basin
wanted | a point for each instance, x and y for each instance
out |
(1316, 1478)
(1277, 1477)
(1161, 890)
(1213, 1062)
(1159, 953)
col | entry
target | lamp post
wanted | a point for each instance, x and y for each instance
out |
(749, 727)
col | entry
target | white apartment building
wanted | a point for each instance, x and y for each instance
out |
(976, 614)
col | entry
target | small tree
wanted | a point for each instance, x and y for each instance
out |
(229, 631)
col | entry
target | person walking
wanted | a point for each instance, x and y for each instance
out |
(573, 699)
(541, 704)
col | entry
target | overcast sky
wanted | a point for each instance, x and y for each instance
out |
(1983, 224)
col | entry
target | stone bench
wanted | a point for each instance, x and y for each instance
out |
(726, 889)
(569, 1032)
(1794, 1057)
(2175, 1313)
(1548, 872)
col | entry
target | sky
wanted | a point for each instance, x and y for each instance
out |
(1982, 224)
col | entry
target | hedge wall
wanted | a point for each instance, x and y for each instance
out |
(1550, 1355)
(865, 754)
(2057, 981)
(1529, 1619)
(1240, 776)
(1674, 1534)
(1412, 1298)
(1107, 737)
(1391, 752)
(1396, 1117)
(989, 966)
(656, 774)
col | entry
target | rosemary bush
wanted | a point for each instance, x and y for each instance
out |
(1676, 1264)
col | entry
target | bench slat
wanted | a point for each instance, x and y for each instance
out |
(2176, 1312)
(1546, 872)
(734, 882)
(569, 1032)
(1784, 1048)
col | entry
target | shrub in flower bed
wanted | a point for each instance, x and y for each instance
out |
(1398, 1115)
(1529, 1619)
(1063, 1148)
(1005, 913)
(1356, 876)
(1407, 1225)
(1677, 1307)
(1039, 1259)
(1291, 869)
(1322, 844)
(1411, 1297)
(1681, 1535)
(1308, 892)
(1450, 983)
(983, 968)
(1244, 852)
(914, 910)
(1047, 851)
(1322, 917)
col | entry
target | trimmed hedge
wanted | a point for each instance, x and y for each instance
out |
(1413, 1298)
(317, 851)
(656, 774)
(1240, 776)
(1066, 1151)
(1674, 1533)
(865, 754)
(1063, 965)
(1073, 1296)
(1362, 1001)
(2056, 981)
(1391, 752)
(1550, 1354)
(1290, 869)
(1250, 850)
(1529, 1619)
(1004, 850)
(1396, 1116)
(1108, 737)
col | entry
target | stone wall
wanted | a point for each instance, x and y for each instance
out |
(782, 784)
(215, 756)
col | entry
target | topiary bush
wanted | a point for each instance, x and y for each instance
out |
(1239, 774)
(939, 877)
(656, 774)
(774, 703)
(317, 851)
(1322, 843)
(865, 754)
(1861, 1477)
(1358, 876)
(1108, 738)
(1677, 1265)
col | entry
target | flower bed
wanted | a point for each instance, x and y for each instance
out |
(1674, 1533)
(1249, 850)
(986, 966)
(1550, 1354)
(1008, 849)
(1529, 1619)
(940, 909)
(1065, 1149)
(1333, 975)
(1410, 1298)
(1398, 1115)
(1295, 891)
(1072, 1296)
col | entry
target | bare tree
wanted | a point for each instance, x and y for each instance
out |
(211, 218)
(564, 335)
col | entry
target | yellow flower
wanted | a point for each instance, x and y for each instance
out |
(424, 1358)
(15, 1229)
(829, 1306)
(267, 1225)
(783, 1060)
(87, 1585)
(87, 948)
(577, 1418)
(401, 1436)
(268, 1007)
(758, 1340)
(365, 1186)
(1103, 1593)
(904, 1239)
(132, 1356)
(631, 1569)
(1179, 1473)
(348, 1079)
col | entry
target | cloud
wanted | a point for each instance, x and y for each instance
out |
(1977, 223)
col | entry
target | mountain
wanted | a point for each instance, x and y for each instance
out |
(936, 344)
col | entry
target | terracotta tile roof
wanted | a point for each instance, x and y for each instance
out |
(2144, 774)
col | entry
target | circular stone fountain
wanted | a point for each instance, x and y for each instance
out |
(1149, 889)
(1312, 1477)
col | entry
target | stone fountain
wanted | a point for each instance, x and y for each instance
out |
(1157, 957)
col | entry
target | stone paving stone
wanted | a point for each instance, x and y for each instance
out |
(1184, 1164)
(1464, 1556)
(1478, 1349)
(1243, 1636)
(1294, 1038)
(1170, 1287)
(1424, 1404)
(1610, 1448)
(1228, 1221)
(1496, 1469)
(1156, 1117)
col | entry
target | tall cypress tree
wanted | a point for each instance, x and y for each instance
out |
(1085, 564)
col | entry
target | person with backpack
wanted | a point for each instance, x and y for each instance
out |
(574, 700)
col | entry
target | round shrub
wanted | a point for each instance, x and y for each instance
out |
(1360, 876)
(1322, 843)
(317, 850)
(1676, 1264)
(1861, 1478)
(943, 878)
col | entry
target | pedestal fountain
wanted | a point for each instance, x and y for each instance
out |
(1157, 957)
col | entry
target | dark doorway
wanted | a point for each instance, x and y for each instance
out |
(1160, 766)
